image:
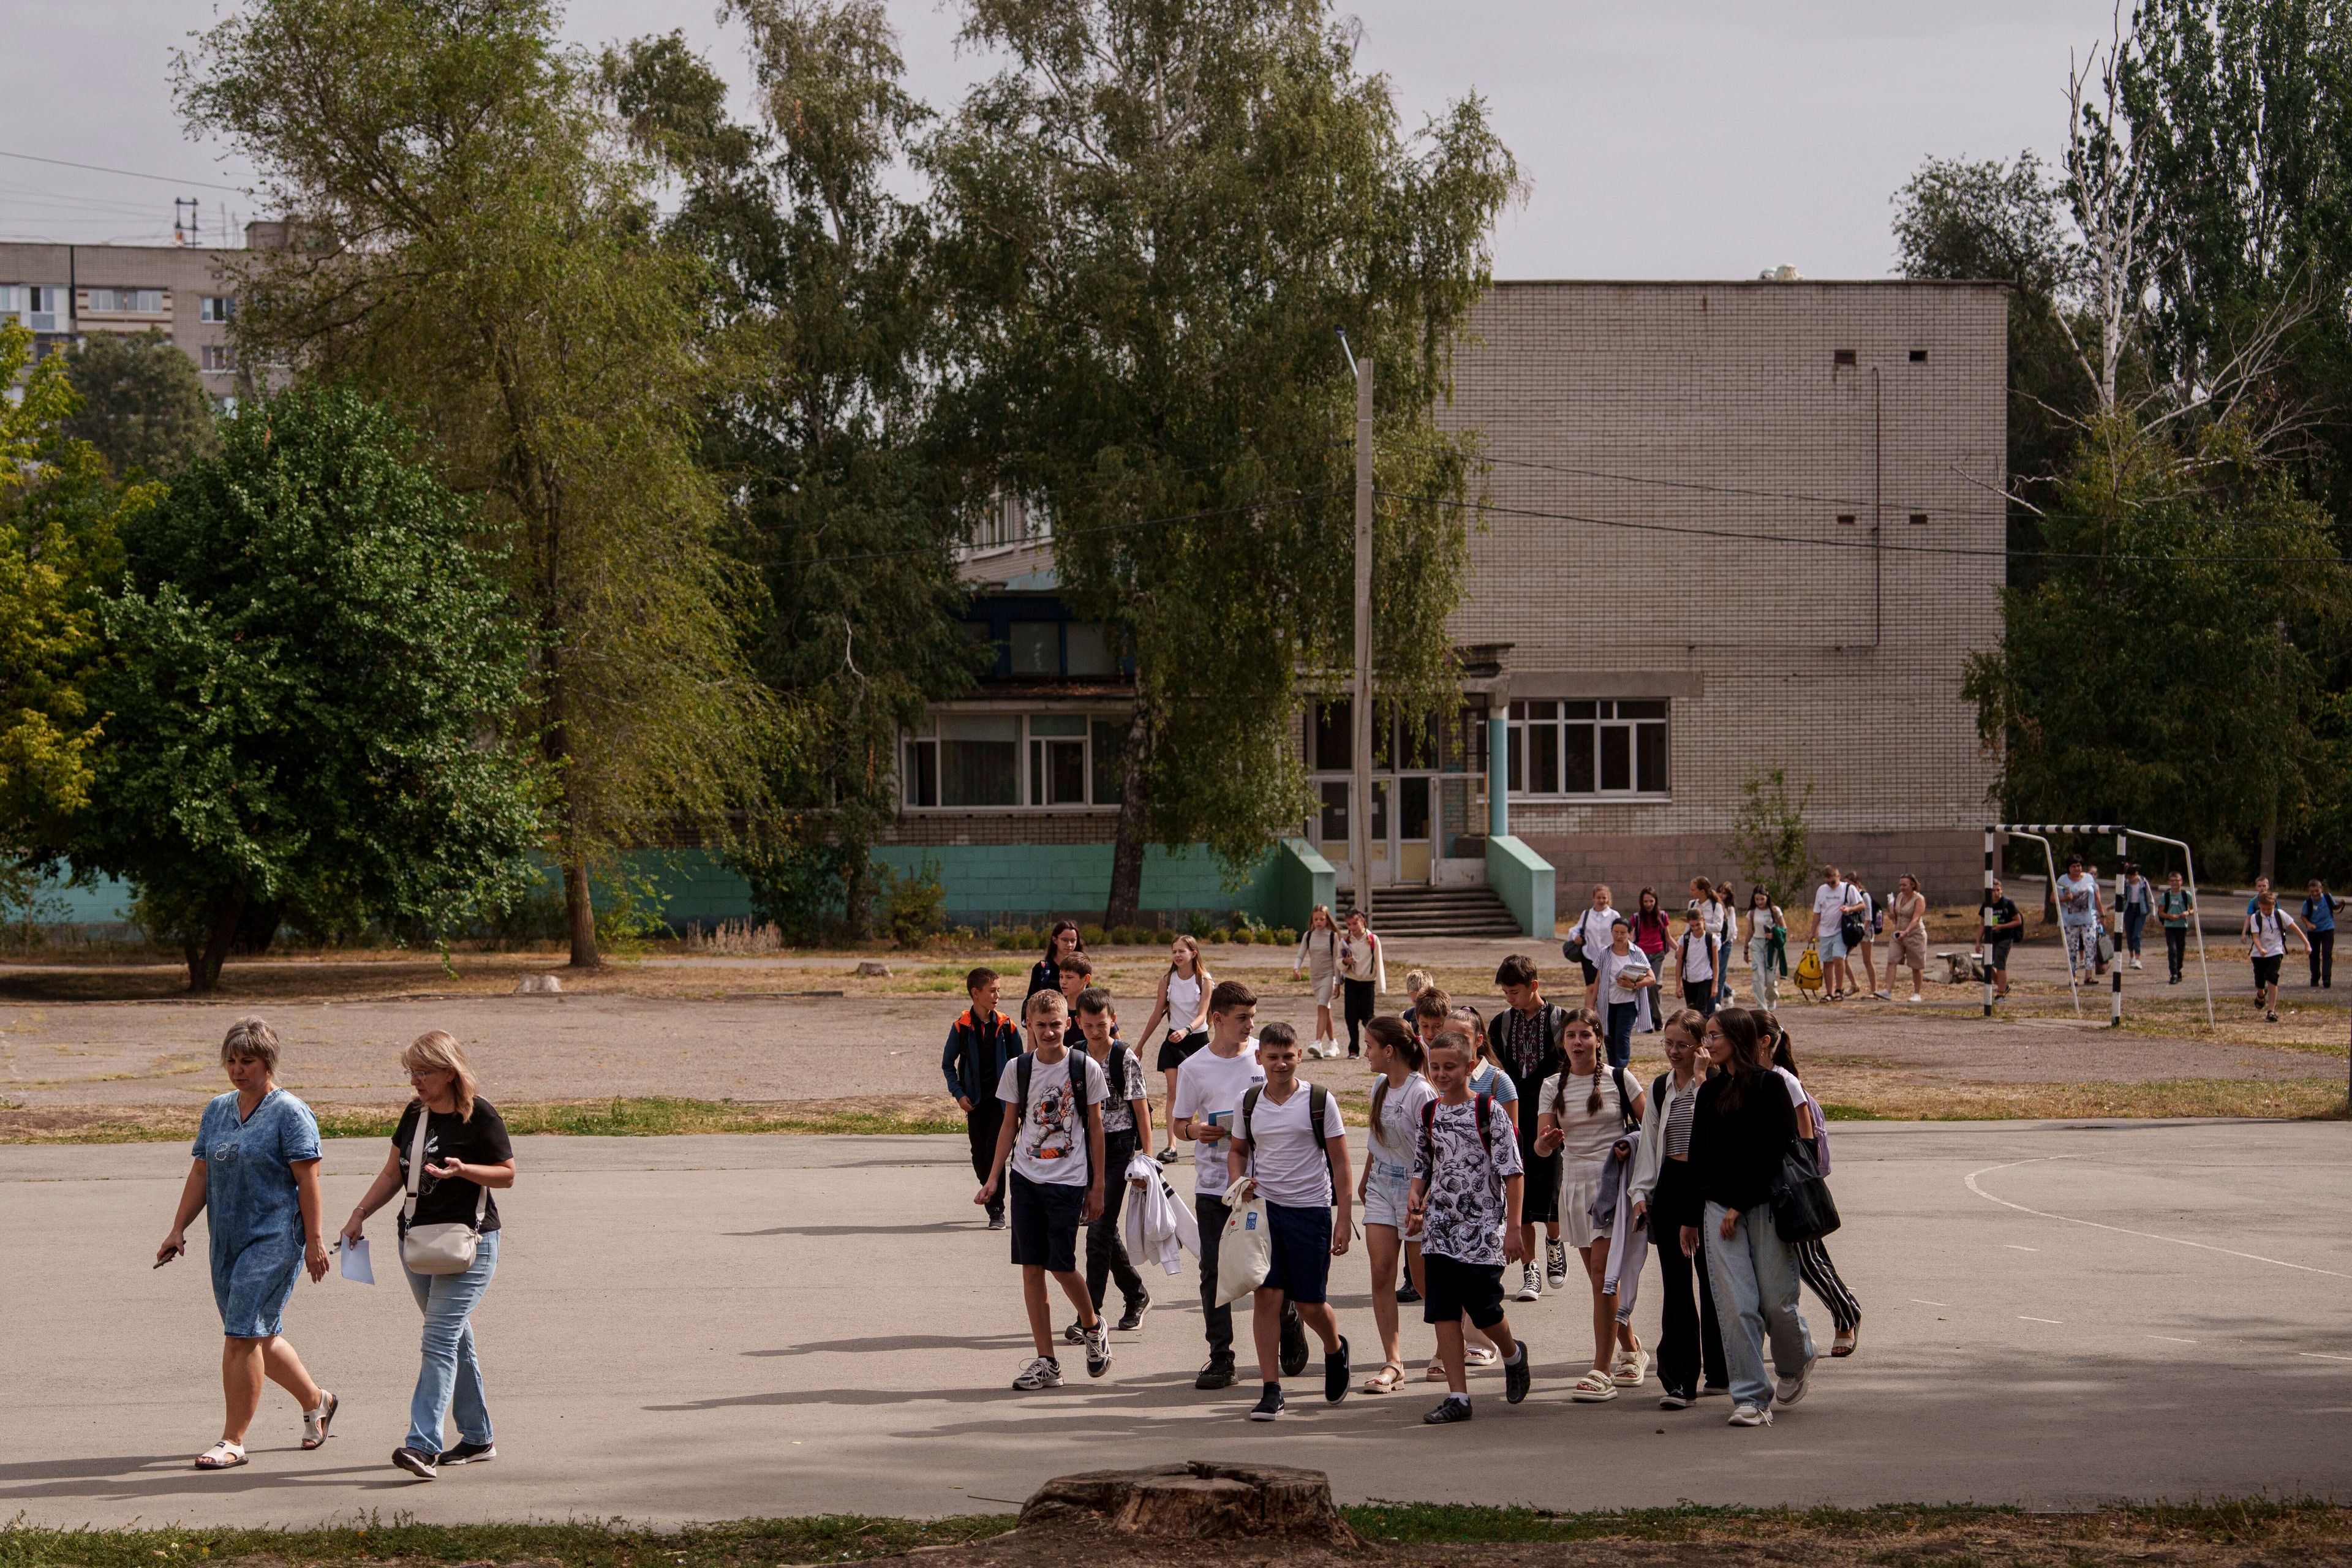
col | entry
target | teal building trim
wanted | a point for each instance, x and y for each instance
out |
(1523, 880)
(986, 881)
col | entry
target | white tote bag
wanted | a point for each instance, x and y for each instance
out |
(447, 1247)
(1247, 1251)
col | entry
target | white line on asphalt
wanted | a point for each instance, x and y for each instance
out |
(1923, 1301)
(2322, 1355)
(2171, 1339)
(1971, 1182)
(2014, 1247)
(2022, 1318)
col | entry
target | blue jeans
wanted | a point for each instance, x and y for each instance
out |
(2134, 922)
(1755, 1278)
(1620, 1032)
(448, 1301)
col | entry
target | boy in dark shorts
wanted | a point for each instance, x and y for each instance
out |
(1299, 1168)
(980, 1042)
(1127, 1127)
(1466, 1184)
(1052, 1138)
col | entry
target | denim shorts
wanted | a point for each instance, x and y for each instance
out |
(1833, 944)
(1388, 1195)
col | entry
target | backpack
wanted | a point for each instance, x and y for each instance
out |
(1317, 1097)
(1089, 1116)
(1485, 1104)
(1626, 1120)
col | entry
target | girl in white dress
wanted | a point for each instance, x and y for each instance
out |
(1317, 959)
(1582, 1113)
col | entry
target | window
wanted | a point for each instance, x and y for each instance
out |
(1918, 356)
(1334, 810)
(134, 301)
(1036, 647)
(216, 308)
(218, 357)
(1009, 521)
(1086, 650)
(1587, 748)
(1333, 747)
(1918, 517)
(45, 308)
(1110, 760)
(1057, 759)
(980, 760)
(1843, 356)
(1042, 761)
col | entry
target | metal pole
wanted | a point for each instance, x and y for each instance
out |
(2196, 916)
(2116, 970)
(1984, 921)
(1360, 815)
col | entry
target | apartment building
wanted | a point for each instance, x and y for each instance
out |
(1734, 527)
(66, 293)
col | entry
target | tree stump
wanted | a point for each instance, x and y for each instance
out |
(874, 967)
(1196, 1500)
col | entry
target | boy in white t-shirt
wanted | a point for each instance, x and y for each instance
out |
(1208, 1089)
(1052, 1138)
(1298, 1174)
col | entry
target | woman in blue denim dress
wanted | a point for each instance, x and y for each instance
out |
(256, 1177)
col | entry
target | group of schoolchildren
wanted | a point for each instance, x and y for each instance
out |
(1481, 1133)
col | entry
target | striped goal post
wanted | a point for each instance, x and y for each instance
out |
(2043, 832)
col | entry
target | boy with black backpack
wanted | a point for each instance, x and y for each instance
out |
(1467, 1185)
(980, 1042)
(1053, 1137)
(1290, 1140)
(1127, 1127)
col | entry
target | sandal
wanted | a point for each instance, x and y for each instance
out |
(1385, 1381)
(221, 1456)
(1630, 1368)
(316, 1422)
(1479, 1355)
(1593, 1388)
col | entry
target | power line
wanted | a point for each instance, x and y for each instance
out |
(126, 173)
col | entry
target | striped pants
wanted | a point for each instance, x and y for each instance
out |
(1814, 1266)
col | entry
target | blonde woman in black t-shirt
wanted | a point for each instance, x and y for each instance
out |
(467, 1157)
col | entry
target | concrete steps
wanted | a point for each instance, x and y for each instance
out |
(1478, 911)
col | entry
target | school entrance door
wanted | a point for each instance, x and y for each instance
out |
(1404, 794)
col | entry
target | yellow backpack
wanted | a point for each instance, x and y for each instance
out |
(1809, 971)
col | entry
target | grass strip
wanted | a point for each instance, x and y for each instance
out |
(843, 1537)
(620, 1116)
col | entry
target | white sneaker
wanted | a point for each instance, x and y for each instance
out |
(1916, 997)
(1886, 995)
(1749, 1415)
(2135, 963)
(1789, 1390)
(1531, 1284)
(1039, 1374)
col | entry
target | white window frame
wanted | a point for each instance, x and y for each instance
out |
(1553, 718)
(225, 353)
(1032, 773)
(216, 310)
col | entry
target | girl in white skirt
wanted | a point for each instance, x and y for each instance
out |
(1317, 960)
(1582, 1113)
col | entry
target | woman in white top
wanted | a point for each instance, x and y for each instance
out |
(1363, 975)
(1580, 1115)
(1813, 1257)
(1318, 959)
(1587, 938)
(1184, 1003)
(1716, 920)
(1764, 970)
(2266, 929)
(1730, 908)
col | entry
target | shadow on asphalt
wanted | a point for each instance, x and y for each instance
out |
(936, 1227)
(892, 1344)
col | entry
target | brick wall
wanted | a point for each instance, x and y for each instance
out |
(1949, 863)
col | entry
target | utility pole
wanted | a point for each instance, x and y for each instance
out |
(1360, 792)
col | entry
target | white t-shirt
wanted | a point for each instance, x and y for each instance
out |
(1829, 903)
(1616, 970)
(2268, 932)
(1589, 1134)
(1050, 1146)
(1690, 955)
(1290, 1169)
(1183, 1000)
(1206, 1084)
(2078, 901)
(1118, 1112)
(1399, 1128)
(1595, 925)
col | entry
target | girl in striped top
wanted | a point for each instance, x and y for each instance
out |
(1689, 1342)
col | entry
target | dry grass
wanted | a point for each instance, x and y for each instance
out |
(617, 1117)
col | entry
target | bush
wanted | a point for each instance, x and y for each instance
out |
(1001, 938)
(1218, 933)
(914, 903)
(1090, 936)
(1129, 936)
(1288, 936)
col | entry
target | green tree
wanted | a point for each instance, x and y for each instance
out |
(821, 296)
(1152, 222)
(476, 243)
(1768, 837)
(143, 405)
(308, 661)
(59, 513)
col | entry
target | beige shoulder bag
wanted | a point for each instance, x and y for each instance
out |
(444, 1248)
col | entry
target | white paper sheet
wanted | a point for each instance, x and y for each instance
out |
(355, 1261)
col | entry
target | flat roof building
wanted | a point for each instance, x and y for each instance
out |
(68, 292)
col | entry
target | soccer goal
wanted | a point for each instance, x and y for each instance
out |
(2038, 832)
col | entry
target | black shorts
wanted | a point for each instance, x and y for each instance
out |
(1299, 1265)
(2001, 956)
(1450, 1289)
(1539, 1193)
(1176, 1047)
(2267, 970)
(1045, 1223)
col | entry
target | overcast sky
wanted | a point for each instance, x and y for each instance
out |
(1700, 139)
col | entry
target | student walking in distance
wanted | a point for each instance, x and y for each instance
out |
(1290, 1140)
(1209, 1089)
(1906, 936)
(1813, 1257)
(1466, 1186)
(1838, 928)
(1582, 1114)
(1728, 944)
(1386, 1186)
(1183, 1005)
(980, 1042)
(256, 1180)
(1076, 973)
(2000, 926)
(1652, 934)
(2319, 907)
(1625, 975)
(1873, 919)
(1741, 1131)
(1051, 1138)
(1317, 959)
(2136, 898)
(1416, 980)
(2266, 929)
(1768, 946)
(1665, 1196)
(1719, 921)
(449, 1152)
(2078, 920)
(1127, 1127)
(1524, 1041)
(1587, 938)
(1045, 974)
(1697, 957)
(2175, 909)
(1363, 975)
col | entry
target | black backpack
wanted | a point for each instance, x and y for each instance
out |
(1317, 1097)
(1626, 1120)
(1485, 1104)
(1088, 1117)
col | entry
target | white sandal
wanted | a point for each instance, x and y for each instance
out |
(1593, 1388)
(316, 1422)
(221, 1456)
(1479, 1355)
(1630, 1368)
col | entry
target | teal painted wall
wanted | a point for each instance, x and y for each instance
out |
(1523, 879)
(984, 880)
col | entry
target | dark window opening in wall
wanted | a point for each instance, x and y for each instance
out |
(1057, 759)
(1087, 646)
(1417, 742)
(922, 773)
(1412, 808)
(1333, 748)
(1588, 748)
(980, 761)
(1036, 647)
(1335, 811)
(1844, 356)
(1918, 356)
(1577, 777)
(1110, 762)
(1846, 518)
(1918, 517)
